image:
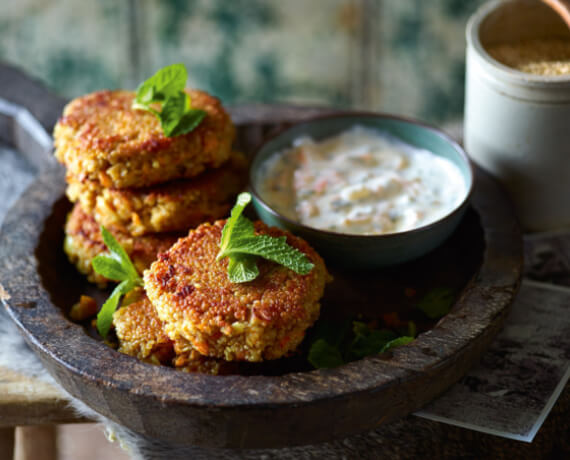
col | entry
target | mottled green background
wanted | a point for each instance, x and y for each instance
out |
(403, 56)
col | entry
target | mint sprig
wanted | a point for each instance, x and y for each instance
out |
(116, 266)
(242, 246)
(166, 88)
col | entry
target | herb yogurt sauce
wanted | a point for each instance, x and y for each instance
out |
(361, 181)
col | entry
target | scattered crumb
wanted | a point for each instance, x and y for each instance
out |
(84, 309)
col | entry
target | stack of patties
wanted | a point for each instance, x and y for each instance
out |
(145, 188)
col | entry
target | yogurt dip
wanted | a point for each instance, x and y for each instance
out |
(361, 181)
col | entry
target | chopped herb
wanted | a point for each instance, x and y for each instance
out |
(339, 204)
(400, 341)
(166, 88)
(328, 339)
(437, 302)
(242, 246)
(323, 355)
(116, 266)
(335, 344)
(368, 341)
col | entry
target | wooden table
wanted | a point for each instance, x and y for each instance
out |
(36, 408)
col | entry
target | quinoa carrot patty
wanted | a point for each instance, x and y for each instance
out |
(263, 319)
(141, 335)
(83, 241)
(177, 205)
(100, 137)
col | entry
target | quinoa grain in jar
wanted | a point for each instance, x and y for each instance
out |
(546, 56)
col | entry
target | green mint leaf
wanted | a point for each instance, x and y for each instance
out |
(118, 253)
(186, 123)
(368, 341)
(273, 249)
(404, 340)
(437, 302)
(239, 240)
(105, 315)
(145, 94)
(335, 343)
(243, 228)
(166, 87)
(242, 268)
(172, 112)
(323, 355)
(116, 266)
(167, 82)
(189, 121)
(328, 342)
(110, 268)
(236, 223)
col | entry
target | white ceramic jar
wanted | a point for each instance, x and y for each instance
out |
(517, 125)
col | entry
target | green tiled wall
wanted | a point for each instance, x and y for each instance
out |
(74, 46)
(403, 56)
(254, 50)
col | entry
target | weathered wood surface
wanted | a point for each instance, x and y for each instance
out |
(36, 443)
(29, 401)
(7, 441)
(20, 89)
(258, 411)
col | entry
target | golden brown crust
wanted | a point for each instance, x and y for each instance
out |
(173, 206)
(141, 334)
(100, 137)
(83, 241)
(263, 319)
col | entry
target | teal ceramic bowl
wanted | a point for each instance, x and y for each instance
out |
(366, 251)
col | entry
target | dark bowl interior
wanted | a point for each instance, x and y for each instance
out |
(365, 295)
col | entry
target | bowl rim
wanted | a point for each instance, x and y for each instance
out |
(355, 236)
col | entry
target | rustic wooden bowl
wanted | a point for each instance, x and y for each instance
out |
(255, 411)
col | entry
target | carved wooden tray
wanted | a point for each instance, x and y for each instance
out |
(283, 404)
